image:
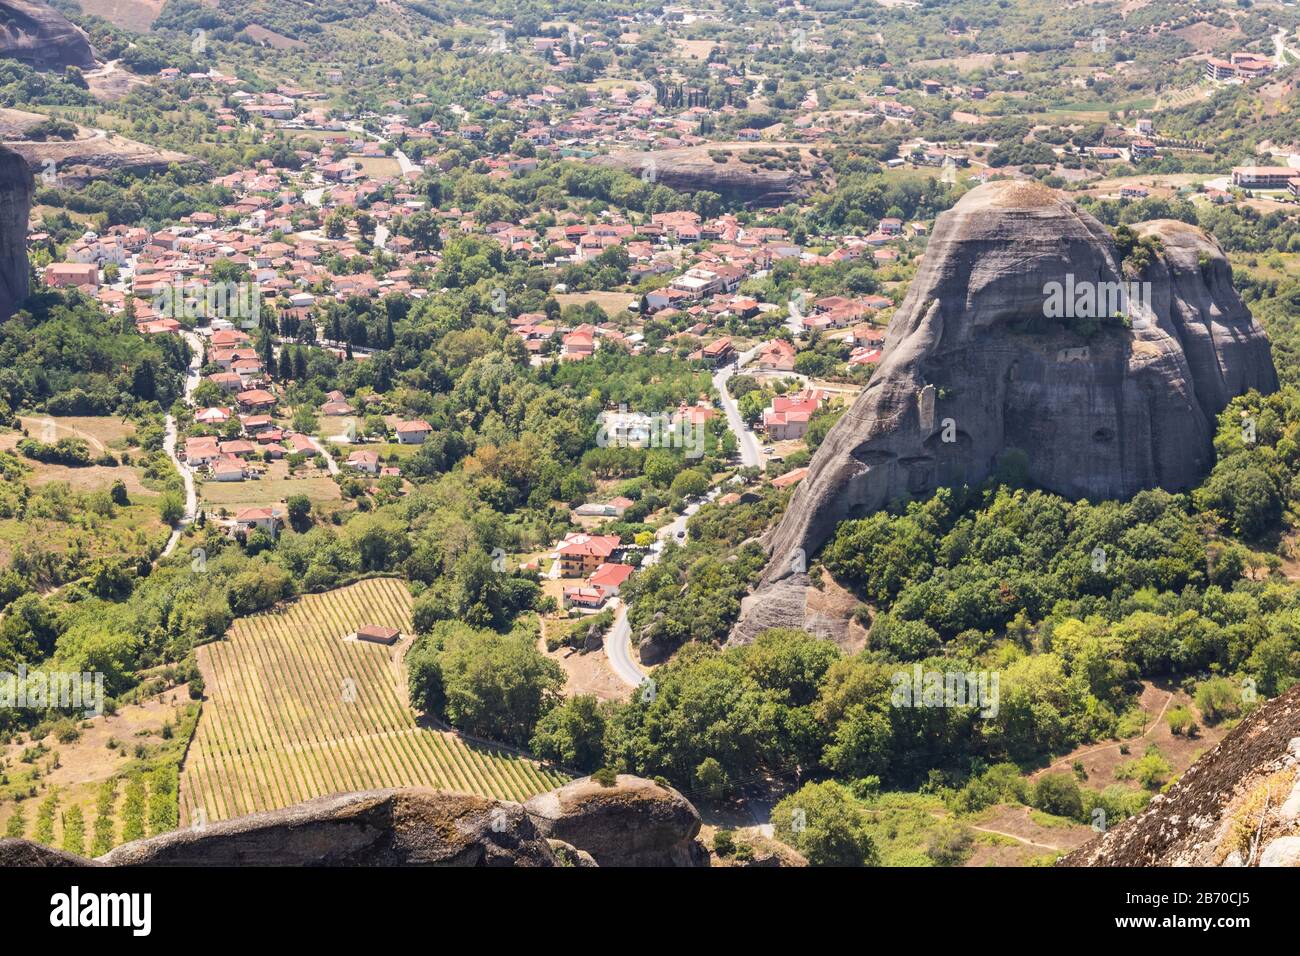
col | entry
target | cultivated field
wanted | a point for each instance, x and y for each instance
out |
(294, 712)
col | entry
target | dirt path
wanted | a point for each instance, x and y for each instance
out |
(1069, 759)
(1020, 839)
(46, 421)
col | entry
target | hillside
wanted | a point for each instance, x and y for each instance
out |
(1239, 805)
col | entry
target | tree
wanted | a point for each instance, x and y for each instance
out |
(74, 831)
(690, 483)
(572, 734)
(493, 685)
(172, 508)
(1058, 794)
(16, 825)
(826, 824)
(298, 508)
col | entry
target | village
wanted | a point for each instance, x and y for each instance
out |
(350, 220)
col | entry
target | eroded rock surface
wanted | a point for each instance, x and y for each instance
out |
(38, 34)
(1228, 809)
(16, 189)
(634, 823)
(637, 822)
(692, 168)
(973, 370)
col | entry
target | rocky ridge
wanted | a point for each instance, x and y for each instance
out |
(38, 34)
(16, 189)
(633, 822)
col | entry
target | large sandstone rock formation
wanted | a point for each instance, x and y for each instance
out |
(38, 34)
(15, 204)
(1239, 805)
(633, 823)
(973, 368)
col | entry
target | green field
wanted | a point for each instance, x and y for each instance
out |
(295, 712)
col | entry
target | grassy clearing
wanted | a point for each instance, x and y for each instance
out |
(296, 712)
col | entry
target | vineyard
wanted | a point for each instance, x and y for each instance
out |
(294, 712)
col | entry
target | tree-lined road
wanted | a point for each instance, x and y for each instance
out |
(169, 444)
(618, 640)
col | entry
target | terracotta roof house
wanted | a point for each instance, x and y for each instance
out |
(255, 398)
(268, 519)
(609, 577)
(790, 478)
(378, 634)
(776, 356)
(582, 553)
(362, 460)
(413, 432)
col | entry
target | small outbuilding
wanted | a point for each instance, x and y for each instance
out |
(377, 634)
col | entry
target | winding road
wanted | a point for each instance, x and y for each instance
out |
(618, 640)
(169, 444)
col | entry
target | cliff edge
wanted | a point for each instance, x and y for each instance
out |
(16, 187)
(1239, 805)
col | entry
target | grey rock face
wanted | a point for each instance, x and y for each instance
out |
(1284, 851)
(38, 34)
(406, 827)
(973, 370)
(26, 853)
(636, 822)
(16, 189)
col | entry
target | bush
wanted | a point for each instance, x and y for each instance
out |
(724, 843)
(1058, 794)
(1218, 699)
(827, 825)
(1181, 721)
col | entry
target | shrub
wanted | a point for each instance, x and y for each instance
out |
(724, 843)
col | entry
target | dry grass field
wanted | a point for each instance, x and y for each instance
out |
(295, 711)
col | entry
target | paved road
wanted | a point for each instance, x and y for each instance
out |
(747, 443)
(169, 444)
(1281, 49)
(618, 650)
(330, 463)
(618, 641)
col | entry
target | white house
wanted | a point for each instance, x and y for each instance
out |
(413, 432)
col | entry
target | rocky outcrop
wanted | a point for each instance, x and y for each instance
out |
(1239, 805)
(15, 204)
(693, 168)
(633, 823)
(38, 34)
(636, 822)
(90, 156)
(26, 853)
(974, 369)
(405, 827)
